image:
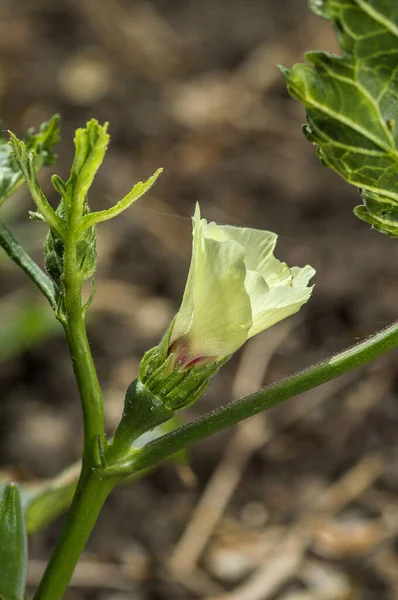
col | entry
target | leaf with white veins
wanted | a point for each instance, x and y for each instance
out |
(351, 103)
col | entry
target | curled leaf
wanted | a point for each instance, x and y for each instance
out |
(351, 103)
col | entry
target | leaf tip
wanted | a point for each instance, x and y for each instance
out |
(284, 70)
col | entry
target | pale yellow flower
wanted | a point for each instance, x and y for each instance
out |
(235, 289)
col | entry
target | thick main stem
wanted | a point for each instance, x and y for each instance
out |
(83, 363)
(92, 489)
(89, 388)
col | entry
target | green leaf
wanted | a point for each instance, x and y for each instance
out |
(41, 143)
(27, 163)
(13, 545)
(91, 143)
(104, 215)
(44, 500)
(351, 103)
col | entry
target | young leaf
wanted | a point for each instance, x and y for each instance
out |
(41, 143)
(352, 103)
(13, 545)
(91, 143)
(26, 161)
(138, 190)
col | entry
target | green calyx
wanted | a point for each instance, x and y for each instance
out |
(175, 387)
(142, 412)
(162, 388)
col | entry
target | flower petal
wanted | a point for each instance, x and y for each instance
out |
(259, 246)
(281, 302)
(302, 275)
(185, 314)
(215, 300)
(222, 312)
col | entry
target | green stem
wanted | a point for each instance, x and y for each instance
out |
(232, 413)
(89, 388)
(92, 489)
(89, 498)
(83, 364)
(19, 255)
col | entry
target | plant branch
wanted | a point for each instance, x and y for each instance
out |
(233, 413)
(19, 255)
(92, 489)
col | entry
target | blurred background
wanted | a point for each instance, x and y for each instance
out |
(300, 503)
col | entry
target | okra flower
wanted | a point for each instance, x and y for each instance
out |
(235, 289)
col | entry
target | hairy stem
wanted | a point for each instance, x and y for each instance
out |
(83, 363)
(232, 413)
(92, 489)
(89, 388)
(19, 255)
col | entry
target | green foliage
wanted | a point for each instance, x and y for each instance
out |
(351, 103)
(105, 215)
(44, 500)
(13, 545)
(72, 223)
(27, 162)
(91, 143)
(42, 142)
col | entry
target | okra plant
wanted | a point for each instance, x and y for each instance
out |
(235, 289)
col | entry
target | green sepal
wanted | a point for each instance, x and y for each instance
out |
(143, 411)
(13, 545)
(180, 388)
(176, 387)
(161, 388)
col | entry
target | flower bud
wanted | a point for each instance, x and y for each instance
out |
(85, 250)
(235, 289)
